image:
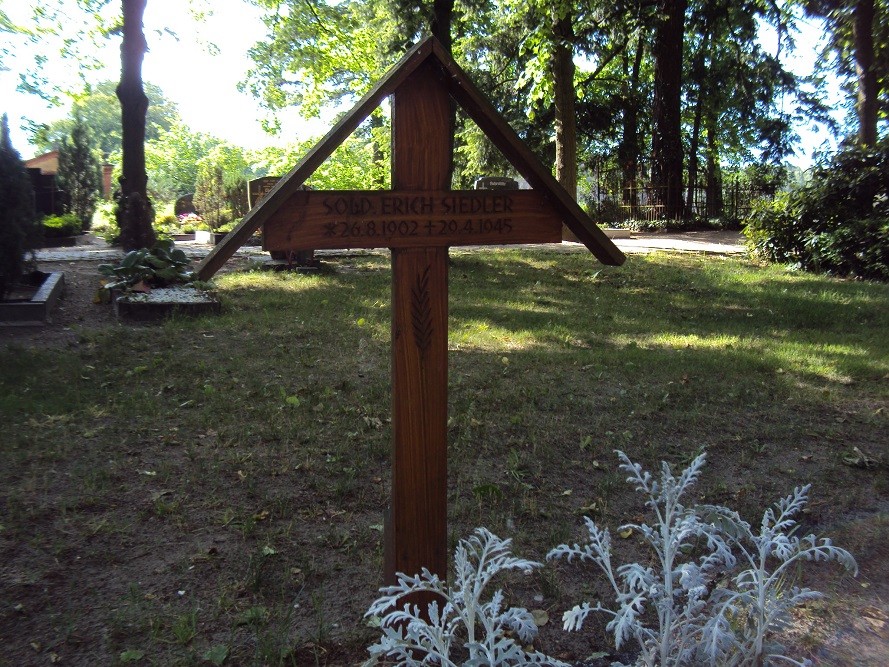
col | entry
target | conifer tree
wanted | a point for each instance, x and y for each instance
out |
(79, 171)
(16, 211)
(209, 193)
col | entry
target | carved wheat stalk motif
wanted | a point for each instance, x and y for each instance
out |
(421, 311)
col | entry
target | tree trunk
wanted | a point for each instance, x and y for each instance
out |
(700, 75)
(693, 153)
(566, 116)
(863, 34)
(442, 20)
(666, 140)
(628, 150)
(376, 123)
(714, 172)
(135, 213)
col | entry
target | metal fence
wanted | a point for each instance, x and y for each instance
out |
(605, 197)
(732, 201)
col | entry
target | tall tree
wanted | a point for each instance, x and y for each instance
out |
(487, 48)
(548, 53)
(317, 55)
(629, 150)
(221, 173)
(597, 107)
(417, 18)
(79, 171)
(209, 194)
(863, 38)
(172, 160)
(16, 210)
(739, 98)
(859, 40)
(135, 212)
(564, 98)
(666, 140)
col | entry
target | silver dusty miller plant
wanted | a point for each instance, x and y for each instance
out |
(466, 628)
(718, 590)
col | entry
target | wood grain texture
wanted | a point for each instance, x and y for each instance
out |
(480, 109)
(297, 176)
(420, 141)
(320, 220)
(421, 162)
(418, 527)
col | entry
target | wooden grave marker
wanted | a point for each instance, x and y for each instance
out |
(418, 220)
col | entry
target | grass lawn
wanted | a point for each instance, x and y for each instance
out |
(214, 488)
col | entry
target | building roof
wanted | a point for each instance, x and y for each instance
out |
(48, 163)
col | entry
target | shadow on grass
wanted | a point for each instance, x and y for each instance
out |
(242, 460)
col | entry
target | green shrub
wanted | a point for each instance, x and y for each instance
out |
(209, 195)
(236, 196)
(192, 222)
(605, 212)
(169, 220)
(57, 226)
(161, 265)
(837, 223)
(104, 222)
(166, 224)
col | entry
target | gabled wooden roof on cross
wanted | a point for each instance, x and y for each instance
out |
(418, 219)
(431, 54)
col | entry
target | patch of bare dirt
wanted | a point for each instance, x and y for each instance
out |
(74, 311)
(850, 626)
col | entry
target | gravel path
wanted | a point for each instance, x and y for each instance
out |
(710, 242)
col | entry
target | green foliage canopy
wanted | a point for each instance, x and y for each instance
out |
(100, 109)
(841, 52)
(172, 160)
(318, 55)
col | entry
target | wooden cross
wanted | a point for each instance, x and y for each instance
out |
(418, 220)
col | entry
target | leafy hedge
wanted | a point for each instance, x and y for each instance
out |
(60, 226)
(837, 223)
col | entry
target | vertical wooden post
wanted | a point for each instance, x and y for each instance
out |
(419, 412)
(417, 535)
